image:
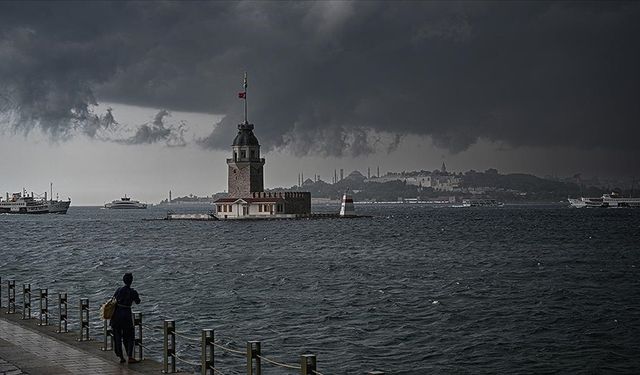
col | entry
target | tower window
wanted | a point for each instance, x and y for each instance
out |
(243, 154)
(235, 156)
(253, 154)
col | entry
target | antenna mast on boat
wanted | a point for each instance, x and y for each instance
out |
(51, 190)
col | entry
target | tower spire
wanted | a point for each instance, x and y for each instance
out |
(246, 121)
(243, 95)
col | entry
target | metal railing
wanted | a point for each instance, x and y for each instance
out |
(62, 313)
(137, 340)
(107, 335)
(26, 301)
(11, 296)
(44, 307)
(84, 320)
(253, 355)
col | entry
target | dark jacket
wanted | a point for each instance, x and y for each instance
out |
(122, 316)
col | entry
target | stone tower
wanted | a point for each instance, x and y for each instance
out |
(245, 167)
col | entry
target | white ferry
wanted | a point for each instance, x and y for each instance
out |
(21, 203)
(612, 200)
(125, 203)
(481, 202)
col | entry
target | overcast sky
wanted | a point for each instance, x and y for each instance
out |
(107, 98)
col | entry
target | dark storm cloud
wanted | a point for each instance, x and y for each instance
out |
(158, 131)
(336, 78)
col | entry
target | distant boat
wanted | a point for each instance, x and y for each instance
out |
(58, 206)
(125, 203)
(480, 202)
(612, 200)
(21, 203)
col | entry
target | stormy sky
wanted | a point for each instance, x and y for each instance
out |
(540, 87)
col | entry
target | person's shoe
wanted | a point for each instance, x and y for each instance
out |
(133, 360)
(122, 360)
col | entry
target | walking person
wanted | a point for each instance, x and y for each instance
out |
(122, 319)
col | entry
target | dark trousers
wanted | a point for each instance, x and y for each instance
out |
(123, 335)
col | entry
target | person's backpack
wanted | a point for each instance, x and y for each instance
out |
(107, 308)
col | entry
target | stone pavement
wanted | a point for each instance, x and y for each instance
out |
(7, 368)
(26, 348)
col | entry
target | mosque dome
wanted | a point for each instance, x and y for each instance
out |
(245, 136)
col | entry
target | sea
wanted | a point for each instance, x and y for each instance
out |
(413, 289)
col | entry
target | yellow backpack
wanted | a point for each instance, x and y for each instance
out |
(107, 308)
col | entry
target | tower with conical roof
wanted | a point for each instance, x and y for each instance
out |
(245, 167)
(246, 174)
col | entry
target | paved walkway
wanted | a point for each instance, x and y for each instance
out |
(24, 351)
(7, 368)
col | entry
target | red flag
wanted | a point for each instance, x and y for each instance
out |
(242, 95)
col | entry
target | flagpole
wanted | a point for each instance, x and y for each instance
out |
(246, 121)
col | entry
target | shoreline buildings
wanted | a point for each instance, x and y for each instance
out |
(437, 180)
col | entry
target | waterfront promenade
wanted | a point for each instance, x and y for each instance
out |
(26, 348)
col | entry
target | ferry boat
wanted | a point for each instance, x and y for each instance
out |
(125, 203)
(58, 207)
(612, 200)
(21, 203)
(481, 202)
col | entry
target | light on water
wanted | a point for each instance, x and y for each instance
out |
(412, 290)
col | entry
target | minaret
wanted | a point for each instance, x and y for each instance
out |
(245, 167)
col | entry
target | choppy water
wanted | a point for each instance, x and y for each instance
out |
(413, 290)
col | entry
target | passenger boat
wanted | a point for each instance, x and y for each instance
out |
(612, 200)
(21, 203)
(481, 202)
(57, 206)
(125, 203)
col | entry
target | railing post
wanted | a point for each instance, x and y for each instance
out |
(137, 326)
(44, 307)
(107, 333)
(206, 357)
(11, 297)
(1, 292)
(169, 347)
(253, 352)
(84, 320)
(62, 313)
(307, 364)
(26, 301)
